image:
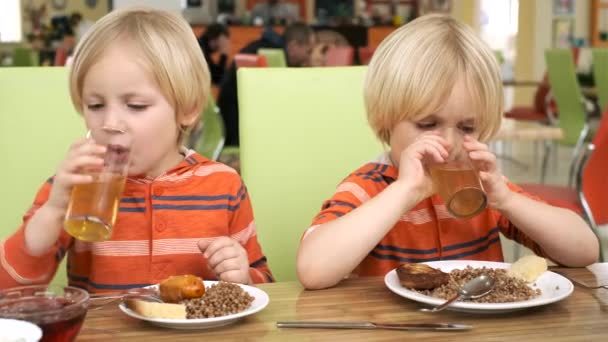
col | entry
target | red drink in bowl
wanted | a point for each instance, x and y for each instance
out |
(58, 311)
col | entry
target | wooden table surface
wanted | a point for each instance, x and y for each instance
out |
(581, 317)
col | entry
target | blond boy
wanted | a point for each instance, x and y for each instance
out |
(432, 85)
(140, 72)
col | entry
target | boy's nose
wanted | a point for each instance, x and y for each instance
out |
(112, 123)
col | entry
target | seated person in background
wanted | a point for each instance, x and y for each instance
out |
(431, 85)
(325, 40)
(140, 72)
(275, 12)
(297, 42)
(216, 39)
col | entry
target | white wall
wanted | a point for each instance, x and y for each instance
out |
(169, 5)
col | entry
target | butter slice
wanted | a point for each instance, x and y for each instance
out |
(528, 268)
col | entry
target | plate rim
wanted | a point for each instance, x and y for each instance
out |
(479, 306)
(252, 290)
(33, 331)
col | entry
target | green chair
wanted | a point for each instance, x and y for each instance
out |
(210, 139)
(274, 57)
(302, 130)
(37, 125)
(573, 117)
(24, 57)
(600, 74)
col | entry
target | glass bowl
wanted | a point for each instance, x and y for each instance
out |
(58, 310)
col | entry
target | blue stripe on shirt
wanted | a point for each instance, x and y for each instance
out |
(470, 243)
(400, 259)
(195, 198)
(406, 250)
(472, 252)
(196, 207)
(131, 210)
(133, 200)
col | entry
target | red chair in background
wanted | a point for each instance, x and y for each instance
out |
(250, 60)
(590, 197)
(365, 54)
(340, 56)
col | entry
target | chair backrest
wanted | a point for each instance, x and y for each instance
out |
(567, 93)
(274, 57)
(37, 125)
(212, 136)
(339, 56)
(302, 131)
(600, 74)
(24, 57)
(250, 60)
(594, 175)
(365, 54)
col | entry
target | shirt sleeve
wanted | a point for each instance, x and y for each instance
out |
(243, 229)
(512, 232)
(17, 267)
(349, 195)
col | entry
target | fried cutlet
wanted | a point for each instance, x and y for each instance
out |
(421, 276)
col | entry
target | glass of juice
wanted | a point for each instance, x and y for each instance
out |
(457, 182)
(59, 311)
(93, 206)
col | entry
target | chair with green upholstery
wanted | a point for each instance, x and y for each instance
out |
(600, 74)
(274, 57)
(302, 130)
(212, 135)
(573, 117)
(37, 125)
(24, 57)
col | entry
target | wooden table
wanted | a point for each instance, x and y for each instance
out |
(581, 317)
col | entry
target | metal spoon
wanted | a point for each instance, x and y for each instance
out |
(474, 288)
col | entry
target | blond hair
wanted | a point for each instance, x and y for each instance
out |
(169, 51)
(414, 69)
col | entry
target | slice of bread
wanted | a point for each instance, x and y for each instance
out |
(156, 310)
(528, 268)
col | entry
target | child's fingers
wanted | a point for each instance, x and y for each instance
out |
(483, 160)
(85, 162)
(227, 265)
(75, 179)
(435, 136)
(216, 245)
(89, 148)
(221, 255)
(430, 144)
(232, 276)
(473, 145)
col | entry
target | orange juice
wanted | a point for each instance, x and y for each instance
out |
(93, 207)
(459, 186)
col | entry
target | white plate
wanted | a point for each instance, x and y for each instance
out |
(553, 288)
(260, 300)
(15, 330)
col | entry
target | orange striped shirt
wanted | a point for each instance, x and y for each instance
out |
(155, 236)
(428, 232)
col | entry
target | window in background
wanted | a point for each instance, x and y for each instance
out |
(499, 26)
(10, 21)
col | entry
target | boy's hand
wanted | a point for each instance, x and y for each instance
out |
(83, 155)
(492, 180)
(227, 259)
(428, 148)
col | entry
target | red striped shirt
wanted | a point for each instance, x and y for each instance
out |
(427, 232)
(155, 236)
